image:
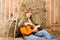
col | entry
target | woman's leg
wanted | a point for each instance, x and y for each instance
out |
(47, 35)
(32, 37)
(40, 33)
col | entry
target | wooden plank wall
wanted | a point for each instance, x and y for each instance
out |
(53, 8)
(48, 13)
(10, 8)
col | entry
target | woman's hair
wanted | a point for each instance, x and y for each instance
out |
(26, 10)
(29, 9)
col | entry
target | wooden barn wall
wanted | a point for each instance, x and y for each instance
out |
(53, 8)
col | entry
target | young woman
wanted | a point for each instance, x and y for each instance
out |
(34, 35)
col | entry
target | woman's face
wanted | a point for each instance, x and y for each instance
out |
(28, 15)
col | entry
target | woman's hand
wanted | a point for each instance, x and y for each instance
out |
(36, 28)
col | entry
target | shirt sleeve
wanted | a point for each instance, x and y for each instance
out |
(21, 21)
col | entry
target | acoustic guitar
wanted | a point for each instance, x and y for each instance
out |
(27, 30)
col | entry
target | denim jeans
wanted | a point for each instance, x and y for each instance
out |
(38, 36)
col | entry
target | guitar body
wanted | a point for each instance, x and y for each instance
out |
(26, 30)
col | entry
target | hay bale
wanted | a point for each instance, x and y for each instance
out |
(38, 10)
